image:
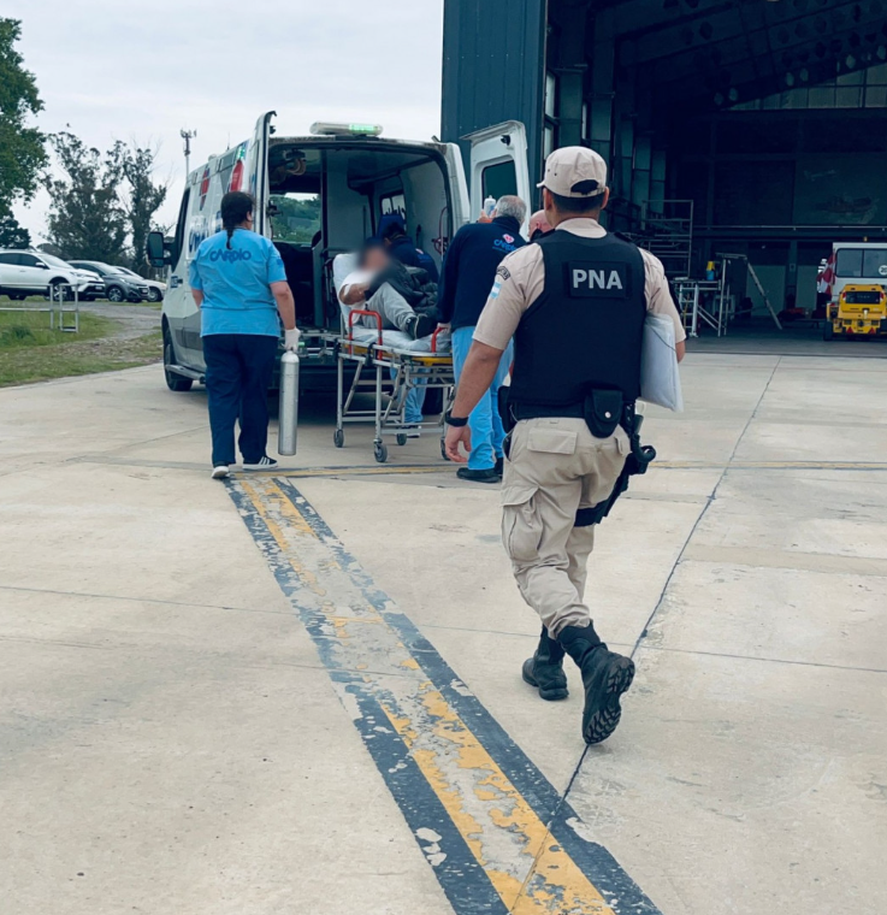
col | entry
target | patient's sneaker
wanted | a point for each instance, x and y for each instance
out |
(419, 326)
(265, 463)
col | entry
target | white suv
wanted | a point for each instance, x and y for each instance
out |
(24, 273)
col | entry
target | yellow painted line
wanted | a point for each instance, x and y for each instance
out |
(282, 505)
(307, 577)
(554, 882)
(564, 887)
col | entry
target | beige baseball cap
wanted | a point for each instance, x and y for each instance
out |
(575, 171)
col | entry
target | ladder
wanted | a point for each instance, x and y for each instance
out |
(726, 258)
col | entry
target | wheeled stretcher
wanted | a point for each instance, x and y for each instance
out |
(390, 366)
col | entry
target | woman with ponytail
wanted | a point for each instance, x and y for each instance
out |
(239, 284)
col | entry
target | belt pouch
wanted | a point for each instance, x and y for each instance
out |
(603, 412)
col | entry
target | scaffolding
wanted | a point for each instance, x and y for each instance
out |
(667, 232)
(711, 303)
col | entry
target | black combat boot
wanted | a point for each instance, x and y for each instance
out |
(545, 670)
(606, 676)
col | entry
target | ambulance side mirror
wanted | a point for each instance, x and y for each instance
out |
(159, 252)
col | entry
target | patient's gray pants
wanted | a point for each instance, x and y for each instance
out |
(392, 306)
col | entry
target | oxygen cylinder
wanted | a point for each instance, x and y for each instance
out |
(289, 404)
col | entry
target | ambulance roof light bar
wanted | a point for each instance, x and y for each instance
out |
(327, 129)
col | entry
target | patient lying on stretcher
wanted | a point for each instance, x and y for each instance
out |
(405, 297)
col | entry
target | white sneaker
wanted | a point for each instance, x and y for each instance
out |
(220, 472)
(265, 464)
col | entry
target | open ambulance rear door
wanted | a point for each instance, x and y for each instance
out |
(499, 165)
(257, 172)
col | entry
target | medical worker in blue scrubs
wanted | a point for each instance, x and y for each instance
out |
(239, 284)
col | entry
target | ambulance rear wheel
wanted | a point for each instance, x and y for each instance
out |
(381, 452)
(828, 331)
(339, 438)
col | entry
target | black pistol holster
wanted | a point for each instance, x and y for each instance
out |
(506, 414)
(599, 410)
(604, 411)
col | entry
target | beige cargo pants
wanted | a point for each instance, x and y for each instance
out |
(556, 467)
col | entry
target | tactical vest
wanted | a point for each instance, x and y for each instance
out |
(585, 330)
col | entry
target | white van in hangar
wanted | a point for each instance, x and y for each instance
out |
(321, 195)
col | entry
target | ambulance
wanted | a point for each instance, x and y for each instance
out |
(852, 263)
(322, 194)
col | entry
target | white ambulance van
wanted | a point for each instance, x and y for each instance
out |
(321, 195)
(857, 263)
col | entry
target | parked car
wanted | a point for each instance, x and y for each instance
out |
(32, 272)
(156, 289)
(120, 286)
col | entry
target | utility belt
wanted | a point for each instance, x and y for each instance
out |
(604, 411)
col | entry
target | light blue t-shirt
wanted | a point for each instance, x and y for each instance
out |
(236, 284)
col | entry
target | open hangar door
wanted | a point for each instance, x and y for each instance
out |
(746, 126)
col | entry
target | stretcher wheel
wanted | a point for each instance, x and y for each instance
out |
(401, 439)
(443, 449)
(339, 438)
(381, 452)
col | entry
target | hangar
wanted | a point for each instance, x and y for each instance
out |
(754, 127)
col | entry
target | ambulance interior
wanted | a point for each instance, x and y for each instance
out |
(328, 198)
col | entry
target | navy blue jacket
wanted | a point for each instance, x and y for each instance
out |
(469, 269)
(403, 250)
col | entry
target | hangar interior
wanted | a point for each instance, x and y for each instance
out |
(752, 127)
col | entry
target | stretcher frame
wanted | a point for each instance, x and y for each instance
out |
(373, 363)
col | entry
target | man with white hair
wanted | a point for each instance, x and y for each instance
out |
(469, 271)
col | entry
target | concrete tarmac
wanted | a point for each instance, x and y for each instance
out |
(172, 742)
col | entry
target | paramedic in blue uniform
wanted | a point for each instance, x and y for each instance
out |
(239, 283)
(469, 271)
(575, 303)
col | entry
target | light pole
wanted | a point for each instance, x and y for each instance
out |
(187, 136)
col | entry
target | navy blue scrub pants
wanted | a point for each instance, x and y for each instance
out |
(239, 369)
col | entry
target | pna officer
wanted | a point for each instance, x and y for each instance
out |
(575, 303)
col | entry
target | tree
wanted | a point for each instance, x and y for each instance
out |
(86, 218)
(143, 200)
(22, 153)
(12, 235)
(296, 218)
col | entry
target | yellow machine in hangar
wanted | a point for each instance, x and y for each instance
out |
(860, 311)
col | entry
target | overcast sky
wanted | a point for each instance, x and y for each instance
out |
(135, 69)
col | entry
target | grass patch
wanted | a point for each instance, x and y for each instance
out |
(32, 329)
(6, 302)
(30, 351)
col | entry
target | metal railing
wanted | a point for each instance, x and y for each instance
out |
(64, 304)
(703, 302)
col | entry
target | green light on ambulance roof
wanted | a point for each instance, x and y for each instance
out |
(327, 129)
